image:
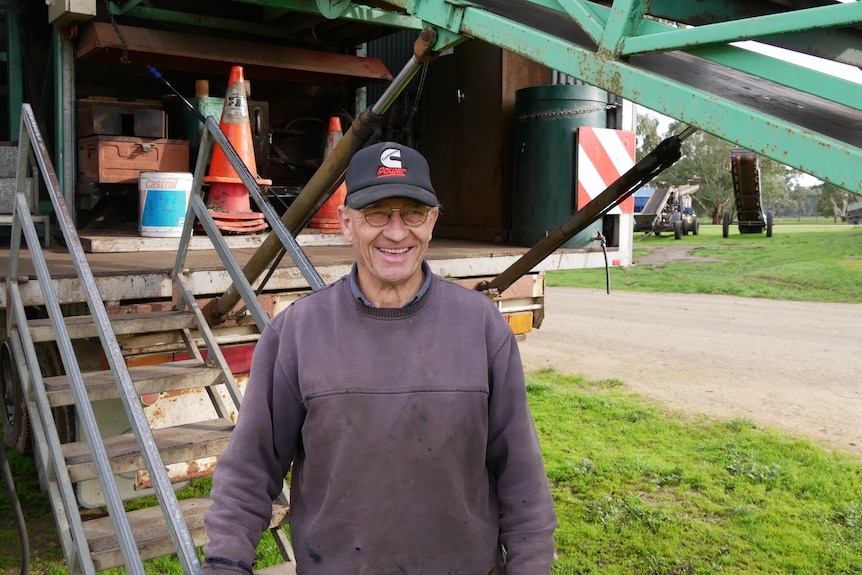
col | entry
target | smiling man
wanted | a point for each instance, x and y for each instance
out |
(397, 400)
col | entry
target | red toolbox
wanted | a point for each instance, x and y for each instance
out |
(121, 159)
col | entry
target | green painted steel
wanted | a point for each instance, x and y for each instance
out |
(14, 67)
(545, 183)
(354, 12)
(747, 29)
(609, 46)
(754, 128)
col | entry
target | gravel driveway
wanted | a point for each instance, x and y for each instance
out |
(787, 365)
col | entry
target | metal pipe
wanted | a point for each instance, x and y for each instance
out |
(333, 166)
(68, 96)
(662, 157)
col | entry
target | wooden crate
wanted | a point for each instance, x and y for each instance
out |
(121, 159)
(111, 117)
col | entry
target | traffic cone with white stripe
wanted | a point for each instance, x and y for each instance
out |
(227, 198)
(326, 218)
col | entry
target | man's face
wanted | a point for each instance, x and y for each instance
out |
(388, 257)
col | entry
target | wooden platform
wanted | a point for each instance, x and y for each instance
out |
(127, 242)
(142, 271)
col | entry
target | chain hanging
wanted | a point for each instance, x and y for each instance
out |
(124, 58)
(574, 112)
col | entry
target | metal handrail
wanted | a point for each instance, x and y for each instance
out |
(198, 210)
(31, 142)
(73, 540)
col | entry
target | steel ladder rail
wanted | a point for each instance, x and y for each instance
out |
(185, 295)
(31, 141)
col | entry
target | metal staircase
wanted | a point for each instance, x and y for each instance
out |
(94, 465)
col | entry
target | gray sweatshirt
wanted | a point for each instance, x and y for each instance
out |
(412, 444)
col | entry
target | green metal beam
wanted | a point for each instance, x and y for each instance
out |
(821, 156)
(622, 22)
(586, 17)
(787, 74)
(356, 12)
(199, 21)
(744, 29)
(839, 44)
(773, 69)
(14, 67)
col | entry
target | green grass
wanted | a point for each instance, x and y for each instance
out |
(800, 262)
(639, 490)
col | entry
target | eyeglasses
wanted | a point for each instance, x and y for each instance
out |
(413, 215)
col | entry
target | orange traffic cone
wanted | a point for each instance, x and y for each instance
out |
(326, 218)
(227, 199)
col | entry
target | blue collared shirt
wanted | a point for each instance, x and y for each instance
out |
(357, 293)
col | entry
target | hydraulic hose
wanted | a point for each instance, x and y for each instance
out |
(17, 511)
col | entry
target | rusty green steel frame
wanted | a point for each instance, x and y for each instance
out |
(680, 59)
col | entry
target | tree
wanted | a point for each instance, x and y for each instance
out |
(833, 201)
(647, 135)
(707, 157)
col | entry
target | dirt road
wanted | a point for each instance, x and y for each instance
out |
(787, 365)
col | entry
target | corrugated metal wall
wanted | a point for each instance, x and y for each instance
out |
(395, 51)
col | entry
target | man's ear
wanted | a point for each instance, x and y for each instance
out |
(346, 223)
(433, 215)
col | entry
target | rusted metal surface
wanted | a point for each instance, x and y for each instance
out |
(201, 54)
(179, 472)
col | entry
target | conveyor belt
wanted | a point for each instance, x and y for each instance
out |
(808, 132)
(745, 169)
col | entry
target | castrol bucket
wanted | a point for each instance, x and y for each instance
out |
(164, 201)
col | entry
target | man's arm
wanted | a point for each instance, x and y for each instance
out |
(528, 519)
(250, 472)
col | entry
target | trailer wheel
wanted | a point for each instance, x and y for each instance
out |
(16, 421)
(725, 224)
(696, 227)
(769, 218)
(677, 230)
(684, 226)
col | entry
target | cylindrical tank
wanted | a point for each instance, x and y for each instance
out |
(545, 188)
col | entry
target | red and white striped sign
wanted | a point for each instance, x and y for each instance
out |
(603, 156)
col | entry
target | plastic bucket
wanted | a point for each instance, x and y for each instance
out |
(164, 199)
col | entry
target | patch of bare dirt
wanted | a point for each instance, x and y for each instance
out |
(793, 366)
(677, 252)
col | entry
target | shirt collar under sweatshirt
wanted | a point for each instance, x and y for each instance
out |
(357, 293)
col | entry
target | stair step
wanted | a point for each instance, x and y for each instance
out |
(151, 532)
(186, 442)
(288, 568)
(172, 376)
(83, 326)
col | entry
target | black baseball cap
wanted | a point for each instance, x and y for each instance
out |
(388, 170)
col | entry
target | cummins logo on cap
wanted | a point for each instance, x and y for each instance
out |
(391, 160)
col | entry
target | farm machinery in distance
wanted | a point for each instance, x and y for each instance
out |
(669, 209)
(748, 204)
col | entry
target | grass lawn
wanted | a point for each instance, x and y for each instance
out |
(799, 262)
(641, 490)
